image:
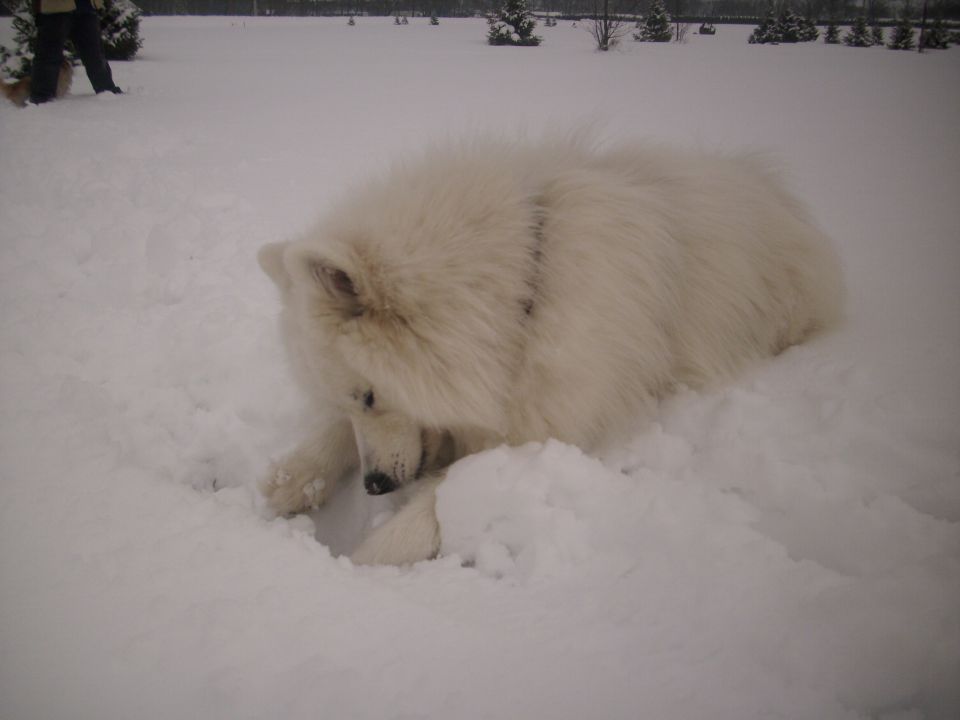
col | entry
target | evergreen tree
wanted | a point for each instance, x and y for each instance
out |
(656, 25)
(766, 31)
(808, 30)
(877, 34)
(788, 26)
(434, 20)
(903, 31)
(832, 35)
(120, 27)
(513, 25)
(859, 34)
(936, 37)
(17, 62)
(351, 22)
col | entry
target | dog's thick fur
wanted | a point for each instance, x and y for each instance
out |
(19, 92)
(508, 292)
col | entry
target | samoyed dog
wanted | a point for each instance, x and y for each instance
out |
(505, 292)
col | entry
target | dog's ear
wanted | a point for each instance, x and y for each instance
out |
(334, 282)
(270, 258)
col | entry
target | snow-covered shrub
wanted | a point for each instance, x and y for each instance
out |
(120, 28)
(859, 34)
(832, 35)
(902, 38)
(787, 27)
(766, 31)
(513, 25)
(656, 25)
(808, 30)
(936, 36)
(876, 33)
(17, 62)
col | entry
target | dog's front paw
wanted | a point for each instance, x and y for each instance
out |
(290, 489)
(409, 536)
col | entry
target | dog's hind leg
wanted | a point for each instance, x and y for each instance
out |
(307, 477)
(411, 535)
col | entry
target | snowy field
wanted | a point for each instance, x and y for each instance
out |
(786, 547)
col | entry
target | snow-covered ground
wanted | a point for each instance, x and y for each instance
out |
(786, 547)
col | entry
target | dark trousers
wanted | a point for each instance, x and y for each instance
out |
(82, 26)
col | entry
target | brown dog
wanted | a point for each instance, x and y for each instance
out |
(19, 92)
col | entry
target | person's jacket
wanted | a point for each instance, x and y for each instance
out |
(48, 7)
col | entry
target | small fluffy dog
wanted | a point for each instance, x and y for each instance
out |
(501, 292)
(19, 92)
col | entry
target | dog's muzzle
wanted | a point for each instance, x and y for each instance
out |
(375, 481)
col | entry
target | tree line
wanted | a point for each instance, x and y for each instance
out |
(718, 10)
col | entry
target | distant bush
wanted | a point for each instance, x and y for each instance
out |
(513, 25)
(902, 38)
(859, 34)
(655, 27)
(936, 36)
(787, 27)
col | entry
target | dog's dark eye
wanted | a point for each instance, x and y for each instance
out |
(368, 399)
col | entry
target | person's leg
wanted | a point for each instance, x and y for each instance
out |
(52, 32)
(85, 33)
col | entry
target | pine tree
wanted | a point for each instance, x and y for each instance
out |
(120, 27)
(766, 31)
(656, 25)
(832, 35)
(808, 30)
(434, 20)
(788, 26)
(18, 61)
(513, 25)
(859, 34)
(877, 34)
(903, 31)
(936, 37)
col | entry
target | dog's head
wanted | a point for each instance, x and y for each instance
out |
(407, 306)
(360, 348)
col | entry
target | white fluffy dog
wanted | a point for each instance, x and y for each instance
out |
(502, 292)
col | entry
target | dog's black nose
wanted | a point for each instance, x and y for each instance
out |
(378, 483)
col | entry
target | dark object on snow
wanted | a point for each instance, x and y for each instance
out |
(707, 29)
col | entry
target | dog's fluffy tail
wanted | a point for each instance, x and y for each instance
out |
(16, 92)
(411, 535)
